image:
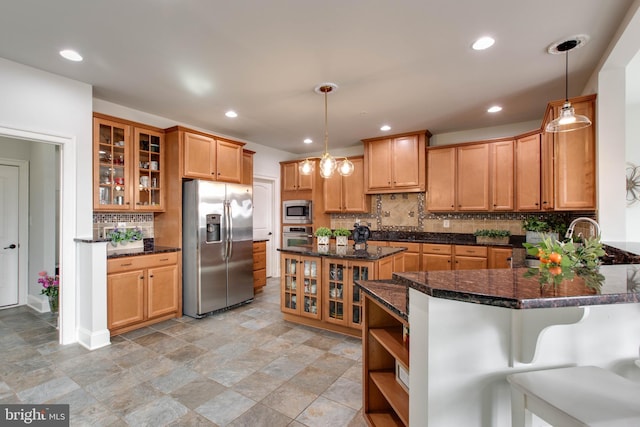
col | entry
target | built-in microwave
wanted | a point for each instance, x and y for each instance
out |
(297, 212)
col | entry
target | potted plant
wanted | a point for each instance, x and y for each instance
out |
(485, 236)
(342, 236)
(538, 229)
(125, 240)
(50, 288)
(323, 234)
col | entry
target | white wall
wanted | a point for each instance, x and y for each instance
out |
(480, 134)
(41, 106)
(633, 156)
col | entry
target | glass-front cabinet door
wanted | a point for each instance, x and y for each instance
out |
(289, 283)
(149, 165)
(335, 292)
(111, 165)
(359, 271)
(311, 279)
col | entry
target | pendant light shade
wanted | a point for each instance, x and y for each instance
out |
(328, 164)
(567, 120)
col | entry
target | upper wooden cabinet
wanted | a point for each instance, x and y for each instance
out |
(471, 177)
(247, 167)
(207, 157)
(345, 194)
(128, 166)
(293, 180)
(534, 172)
(575, 161)
(395, 164)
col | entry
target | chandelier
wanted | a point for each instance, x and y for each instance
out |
(328, 164)
(568, 120)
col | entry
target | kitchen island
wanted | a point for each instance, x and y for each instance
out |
(470, 329)
(317, 283)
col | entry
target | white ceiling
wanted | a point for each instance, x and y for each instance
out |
(406, 63)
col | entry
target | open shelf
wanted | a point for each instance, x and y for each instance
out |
(384, 419)
(397, 397)
(391, 340)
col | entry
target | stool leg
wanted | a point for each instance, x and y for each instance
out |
(520, 417)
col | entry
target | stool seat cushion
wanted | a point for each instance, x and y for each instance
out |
(588, 394)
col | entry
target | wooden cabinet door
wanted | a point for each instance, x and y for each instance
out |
(354, 197)
(502, 183)
(404, 162)
(575, 164)
(411, 257)
(289, 176)
(473, 178)
(199, 156)
(305, 182)
(311, 290)
(162, 290)
(441, 181)
(289, 284)
(547, 179)
(500, 257)
(228, 161)
(149, 170)
(335, 294)
(247, 167)
(358, 270)
(112, 165)
(125, 298)
(332, 189)
(528, 173)
(379, 160)
(434, 262)
(470, 263)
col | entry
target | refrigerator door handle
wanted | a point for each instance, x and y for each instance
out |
(228, 224)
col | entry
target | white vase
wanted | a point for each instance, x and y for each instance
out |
(342, 240)
(128, 247)
(323, 240)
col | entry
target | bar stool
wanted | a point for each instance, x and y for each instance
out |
(577, 396)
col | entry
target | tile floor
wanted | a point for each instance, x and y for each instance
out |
(244, 367)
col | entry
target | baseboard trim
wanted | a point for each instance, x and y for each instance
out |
(93, 340)
(38, 303)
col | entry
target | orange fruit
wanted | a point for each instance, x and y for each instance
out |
(545, 260)
(555, 271)
(555, 257)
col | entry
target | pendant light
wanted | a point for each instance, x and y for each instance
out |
(328, 164)
(568, 120)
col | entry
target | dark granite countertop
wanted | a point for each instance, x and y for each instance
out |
(389, 293)
(442, 238)
(260, 240)
(370, 252)
(147, 251)
(511, 288)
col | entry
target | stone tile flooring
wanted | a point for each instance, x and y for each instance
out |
(243, 367)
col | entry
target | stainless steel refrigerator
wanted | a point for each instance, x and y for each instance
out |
(217, 246)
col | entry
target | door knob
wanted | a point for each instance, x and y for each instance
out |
(11, 246)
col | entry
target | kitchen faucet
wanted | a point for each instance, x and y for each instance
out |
(569, 234)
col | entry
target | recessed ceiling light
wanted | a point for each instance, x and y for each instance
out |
(483, 43)
(71, 55)
(385, 128)
(494, 109)
(308, 141)
(231, 114)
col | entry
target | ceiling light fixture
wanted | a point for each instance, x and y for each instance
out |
(328, 163)
(308, 140)
(568, 120)
(494, 109)
(231, 114)
(483, 43)
(385, 128)
(71, 55)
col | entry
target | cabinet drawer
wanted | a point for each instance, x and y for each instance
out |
(435, 248)
(480, 251)
(259, 260)
(259, 277)
(117, 265)
(411, 247)
(259, 247)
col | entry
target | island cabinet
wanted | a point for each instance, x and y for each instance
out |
(128, 166)
(208, 157)
(142, 290)
(346, 194)
(319, 289)
(395, 164)
(385, 365)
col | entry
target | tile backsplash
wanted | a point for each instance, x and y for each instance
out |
(102, 221)
(407, 212)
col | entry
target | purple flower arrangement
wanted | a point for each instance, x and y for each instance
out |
(50, 284)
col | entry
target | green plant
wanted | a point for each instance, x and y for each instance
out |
(341, 232)
(124, 235)
(553, 253)
(323, 231)
(492, 233)
(555, 224)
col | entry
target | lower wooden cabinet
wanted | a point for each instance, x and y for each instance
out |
(500, 257)
(386, 401)
(142, 290)
(259, 266)
(469, 257)
(464, 257)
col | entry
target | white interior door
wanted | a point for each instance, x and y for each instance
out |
(263, 215)
(8, 235)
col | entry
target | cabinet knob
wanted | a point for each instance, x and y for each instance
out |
(544, 203)
(151, 275)
(452, 206)
(536, 203)
(141, 277)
